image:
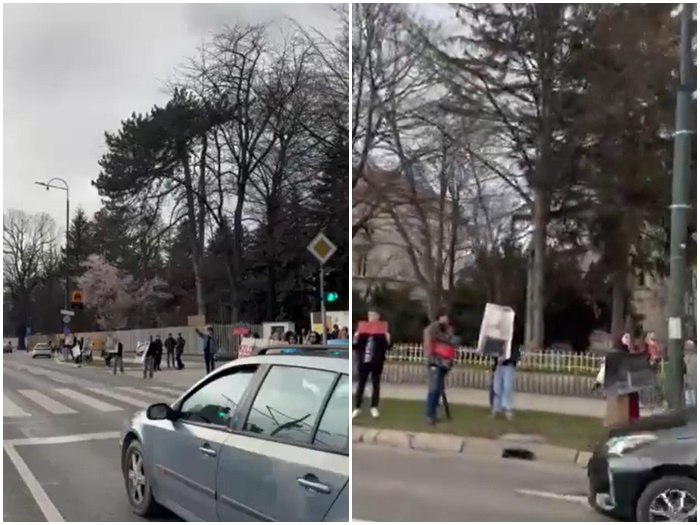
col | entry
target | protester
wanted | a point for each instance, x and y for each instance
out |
(118, 357)
(314, 338)
(690, 362)
(170, 344)
(149, 359)
(344, 333)
(179, 350)
(370, 355)
(504, 383)
(439, 346)
(625, 344)
(208, 347)
(291, 338)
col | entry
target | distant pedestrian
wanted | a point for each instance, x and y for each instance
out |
(118, 357)
(179, 350)
(149, 359)
(690, 362)
(159, 353)
(440, 346)
(208, 347)
(170, 344)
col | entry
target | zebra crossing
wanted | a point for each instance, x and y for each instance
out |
(28, 402)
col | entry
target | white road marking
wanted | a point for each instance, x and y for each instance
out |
(570, 498)
(87, 400)
(141, 403)
(155, 395)
(166, 390)
(10, 409)
(37, 491)
(61, 440)
(46, 402)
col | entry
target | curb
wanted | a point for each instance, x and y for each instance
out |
(483, 447)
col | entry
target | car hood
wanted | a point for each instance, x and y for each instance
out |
(655, 423)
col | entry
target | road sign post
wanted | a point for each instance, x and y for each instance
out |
(323, 249)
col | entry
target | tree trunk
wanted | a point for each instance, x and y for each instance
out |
(539, 222)
(192, 229)
(236, 256)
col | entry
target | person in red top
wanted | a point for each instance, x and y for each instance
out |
(439, 344)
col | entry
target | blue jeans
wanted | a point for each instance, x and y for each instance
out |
(503, 386)
(436, 386)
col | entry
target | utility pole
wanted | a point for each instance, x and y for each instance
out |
(679, 213)
(48, 185)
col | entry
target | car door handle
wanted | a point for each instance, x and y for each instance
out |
(207, 450)
(316, 486)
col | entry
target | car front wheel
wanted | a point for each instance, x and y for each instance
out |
(138, 486)
(671, 498)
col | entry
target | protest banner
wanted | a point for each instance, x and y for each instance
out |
(250, 345)
(627, 373)
(496, 334)
(372, 327)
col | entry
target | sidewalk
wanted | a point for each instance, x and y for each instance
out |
(574, 406)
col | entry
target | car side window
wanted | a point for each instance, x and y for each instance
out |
(288, 403)
(334, 428)
(216, 402)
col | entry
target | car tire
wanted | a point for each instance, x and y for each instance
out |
(146, 506)
(658, 487)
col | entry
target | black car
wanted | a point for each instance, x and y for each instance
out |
(647, 471)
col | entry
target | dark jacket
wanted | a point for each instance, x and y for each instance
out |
(511, 361)
(120, 349)
(170, 344)
(180, 344)
(159, 346)
(380, 346)
(152, 349)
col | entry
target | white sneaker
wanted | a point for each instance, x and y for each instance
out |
(375, 412)
(356, 413)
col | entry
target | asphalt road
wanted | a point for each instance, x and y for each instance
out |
(61, 426)
(405, 485)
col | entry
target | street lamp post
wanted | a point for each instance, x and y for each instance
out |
(52, 184)
(679, 211)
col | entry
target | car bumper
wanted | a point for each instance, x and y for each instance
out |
(614, 484)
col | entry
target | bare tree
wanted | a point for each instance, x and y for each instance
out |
(29, 247)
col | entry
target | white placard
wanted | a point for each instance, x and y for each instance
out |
(497, 325)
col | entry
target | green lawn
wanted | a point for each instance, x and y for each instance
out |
(576, 432)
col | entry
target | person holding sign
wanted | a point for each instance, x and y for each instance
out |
(439, 346)
(370, 344)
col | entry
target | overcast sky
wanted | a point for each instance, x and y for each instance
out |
(73, 71)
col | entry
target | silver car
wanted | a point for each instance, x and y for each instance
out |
(263, 438)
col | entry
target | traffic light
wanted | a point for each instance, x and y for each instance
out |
(331, 296)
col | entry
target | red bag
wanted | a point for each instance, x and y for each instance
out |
(443, 351)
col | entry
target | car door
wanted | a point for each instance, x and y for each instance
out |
(273, 469)
(186, 450)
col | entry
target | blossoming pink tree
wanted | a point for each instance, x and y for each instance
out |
(116, 296)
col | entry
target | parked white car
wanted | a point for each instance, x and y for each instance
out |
(41, 350)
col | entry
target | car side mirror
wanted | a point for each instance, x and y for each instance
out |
(160, 411)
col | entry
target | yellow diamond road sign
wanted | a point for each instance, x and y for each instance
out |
(322, 248)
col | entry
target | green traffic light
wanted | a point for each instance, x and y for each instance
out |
(331, 296)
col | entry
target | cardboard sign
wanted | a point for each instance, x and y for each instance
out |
(250, 345)
(627, 373)
(496, 334)
(372, 327)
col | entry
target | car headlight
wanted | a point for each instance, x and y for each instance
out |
(621, 445)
